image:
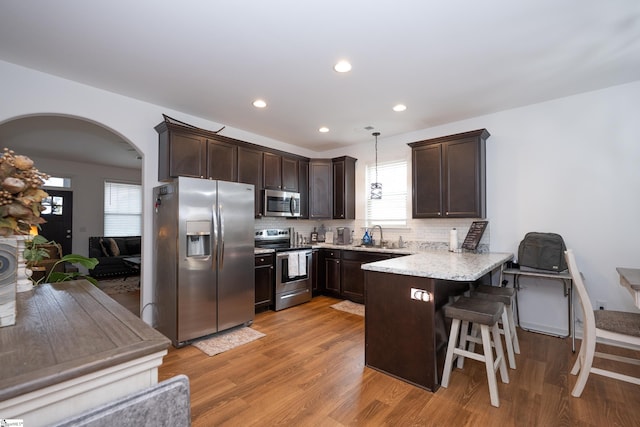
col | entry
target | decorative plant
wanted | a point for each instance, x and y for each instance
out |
(35, 251)
(20, 194)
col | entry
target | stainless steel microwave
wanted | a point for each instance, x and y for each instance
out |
(281, 203)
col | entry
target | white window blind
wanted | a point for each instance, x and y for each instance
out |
(122, 209)
(392, 208)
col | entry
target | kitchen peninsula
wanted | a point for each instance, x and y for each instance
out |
(73, 348)
(405, 329)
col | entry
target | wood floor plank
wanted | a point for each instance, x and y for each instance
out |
(309, 371)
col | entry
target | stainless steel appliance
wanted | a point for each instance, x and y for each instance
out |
(343, 235)
(293, 267)
(281, 203)
(203, 257)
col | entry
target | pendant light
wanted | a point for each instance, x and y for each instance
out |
(376, 187)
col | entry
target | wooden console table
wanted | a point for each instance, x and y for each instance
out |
(630, 279)
(73, 348)
(567, 282)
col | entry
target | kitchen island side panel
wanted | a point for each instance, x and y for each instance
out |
(404, 337)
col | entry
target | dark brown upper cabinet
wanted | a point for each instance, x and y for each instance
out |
(250, 172)
(222, 160)
(320, 188)
(344, 188)
(449, 176)
(185, 153)
(303, 187)
(280, 172)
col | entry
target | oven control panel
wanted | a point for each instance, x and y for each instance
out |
(272, 234)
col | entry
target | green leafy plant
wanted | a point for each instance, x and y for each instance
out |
(36, 250)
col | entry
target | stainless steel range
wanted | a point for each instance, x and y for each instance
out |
(293, 267)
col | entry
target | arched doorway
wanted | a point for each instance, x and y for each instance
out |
(87, 155)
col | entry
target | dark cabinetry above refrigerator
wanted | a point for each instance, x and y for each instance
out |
(326, 186)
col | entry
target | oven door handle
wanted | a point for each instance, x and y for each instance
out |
(285, 254)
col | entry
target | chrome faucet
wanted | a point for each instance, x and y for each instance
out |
(372, 227)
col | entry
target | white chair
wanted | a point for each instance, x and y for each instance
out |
(617, 327)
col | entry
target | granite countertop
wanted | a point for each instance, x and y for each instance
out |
(260, 251)
(442, 265)
(402, 251)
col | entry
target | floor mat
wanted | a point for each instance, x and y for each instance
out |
(120, 285)
(227, 340)
(350, 307)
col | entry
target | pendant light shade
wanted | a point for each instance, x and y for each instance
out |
(376, 187)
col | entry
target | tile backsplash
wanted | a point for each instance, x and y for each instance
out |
(418, 233)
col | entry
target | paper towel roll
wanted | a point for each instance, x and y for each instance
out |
(453, 240)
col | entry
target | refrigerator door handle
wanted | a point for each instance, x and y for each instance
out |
(221, 217)
(214, 243)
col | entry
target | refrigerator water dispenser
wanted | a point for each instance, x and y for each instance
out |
(198, 238)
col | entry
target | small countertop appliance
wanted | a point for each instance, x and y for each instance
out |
(343, 236)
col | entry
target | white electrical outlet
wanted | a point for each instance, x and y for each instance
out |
(420, 295)
(601, 305)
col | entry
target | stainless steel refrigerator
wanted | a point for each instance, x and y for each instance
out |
(203, 257)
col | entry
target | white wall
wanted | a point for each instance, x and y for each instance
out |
(87, 184)
(26, 92)
(568, 166)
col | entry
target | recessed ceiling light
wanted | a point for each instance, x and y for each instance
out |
(323, 129)
(342, 66)
(399, 107)
(259, 103)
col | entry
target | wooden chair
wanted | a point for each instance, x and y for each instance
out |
(617, 327)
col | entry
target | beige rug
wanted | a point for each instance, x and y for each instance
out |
(227, 340)
(350, 307)
(120, 285)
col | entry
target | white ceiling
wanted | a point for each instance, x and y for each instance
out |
(446, 60)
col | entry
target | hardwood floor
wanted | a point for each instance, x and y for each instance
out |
(129, 300)
(309, 371)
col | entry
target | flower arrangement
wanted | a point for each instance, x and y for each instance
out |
(20, 194)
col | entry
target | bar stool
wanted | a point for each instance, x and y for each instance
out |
(485, 313)
(508, 329)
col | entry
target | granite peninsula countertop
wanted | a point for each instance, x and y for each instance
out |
(442, 265)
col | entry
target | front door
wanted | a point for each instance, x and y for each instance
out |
(59, 216)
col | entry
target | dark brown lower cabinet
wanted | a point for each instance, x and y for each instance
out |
(341, 275)
(265, 281)
(315, 263)
(353, 276)
(407, 338)
(331, 272)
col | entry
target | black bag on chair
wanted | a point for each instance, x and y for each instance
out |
(543, 252)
